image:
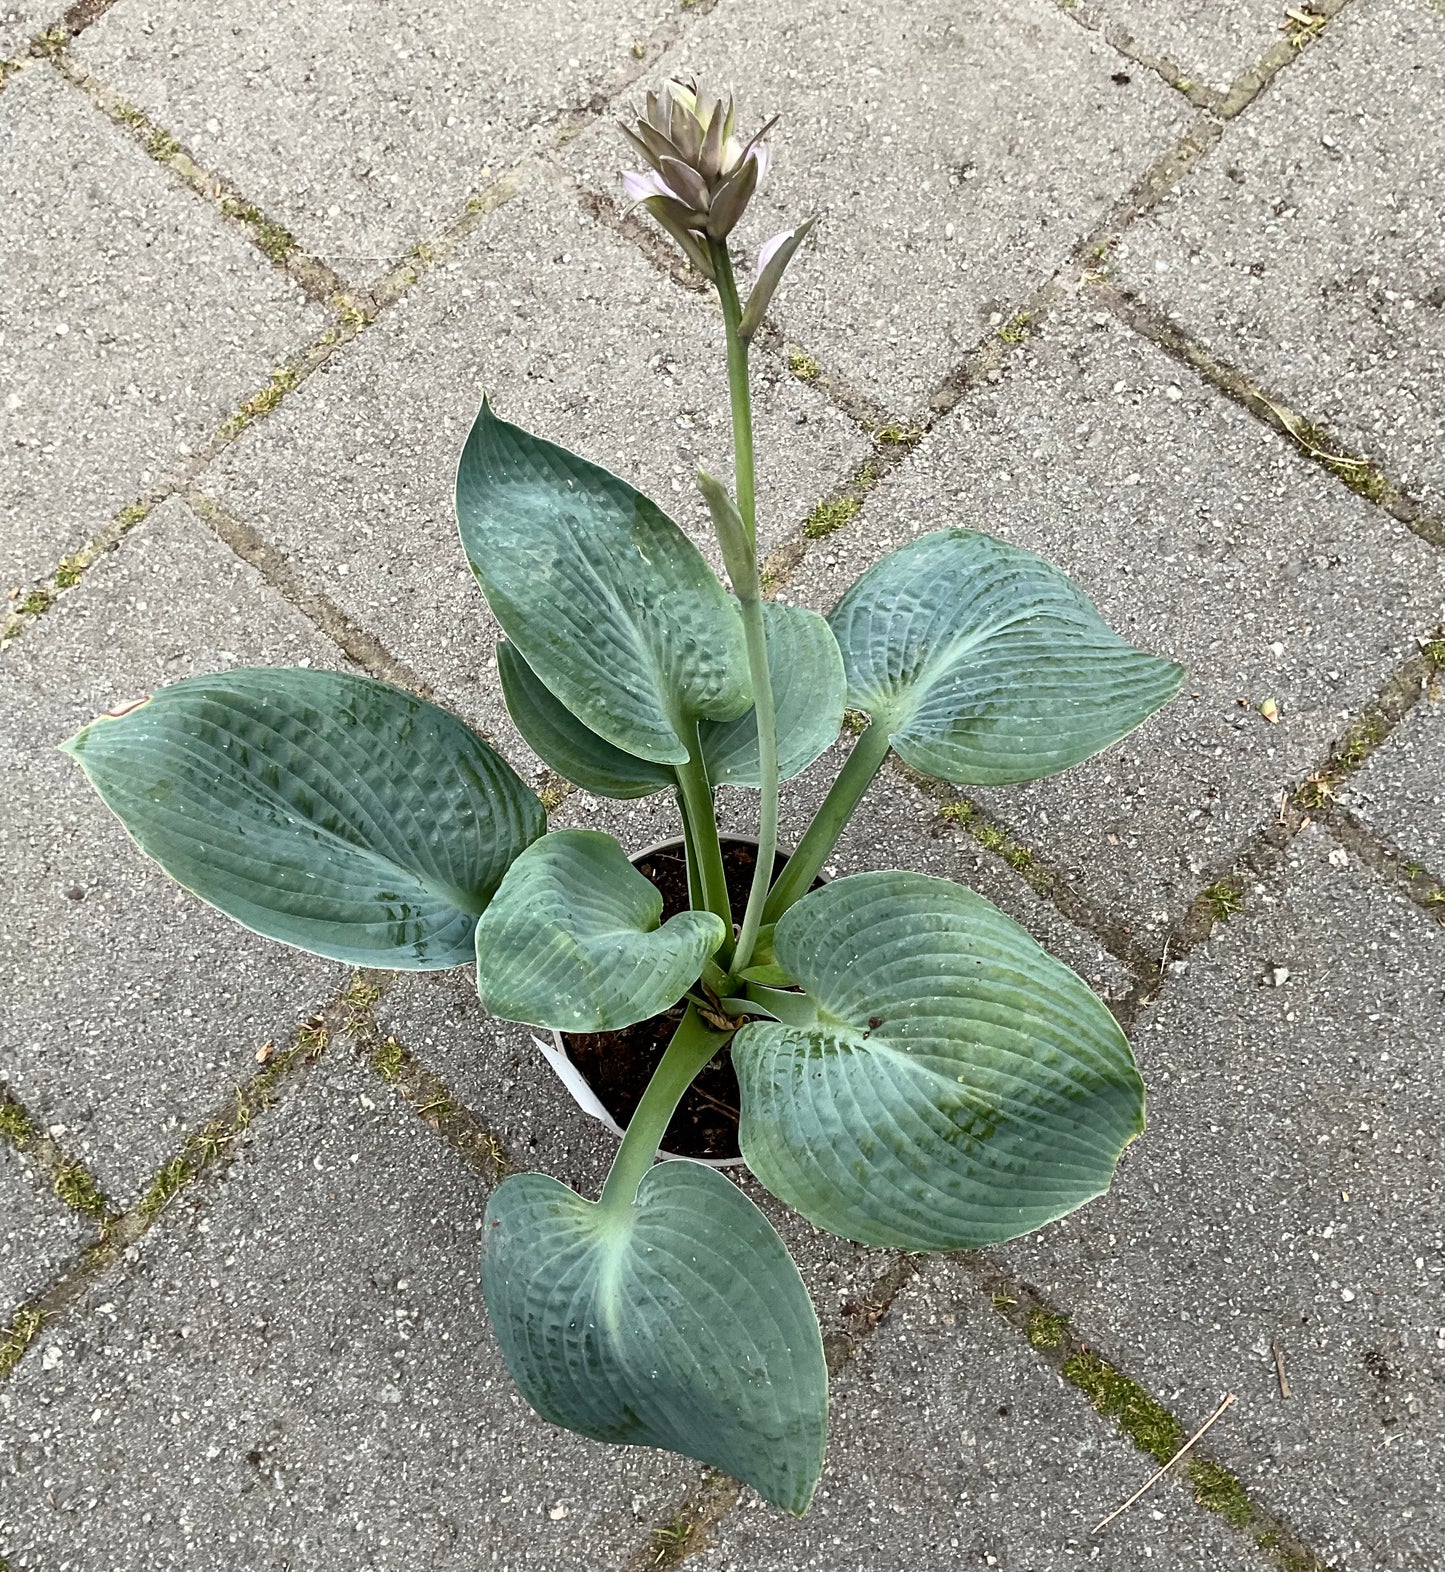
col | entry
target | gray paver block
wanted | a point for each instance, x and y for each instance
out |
(571, 334)
(952, 1445)
(1210, 41)
(1400, 791)
(1201, 536)
(364, 131)
(133, 320)
(1288, 1191)
(955, 153)
(132, 1009)
(38, 1232)
(20, 21)
(1307, 248)
(297, 1370)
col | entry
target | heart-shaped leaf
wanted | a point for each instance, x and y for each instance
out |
(609, 603)
(987, 665)
(571, 939)
(681, 1324)
(807, 673)
(806, 668)
(558, 738)
(328, 811)
(957, 1087)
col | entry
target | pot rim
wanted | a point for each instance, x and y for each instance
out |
(579, 1088)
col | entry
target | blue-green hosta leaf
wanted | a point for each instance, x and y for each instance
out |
(683, 1324)
(558, 738)
(607, 600)
(958, 1086)
(987, 665)
(328, 811)
(806, 669)
(807, 673)
(571, 939)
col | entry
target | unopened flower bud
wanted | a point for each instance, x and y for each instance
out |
(700, 177)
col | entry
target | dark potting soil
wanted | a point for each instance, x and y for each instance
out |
(618, 1065)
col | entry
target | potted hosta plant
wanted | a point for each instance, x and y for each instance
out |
(913, 1070)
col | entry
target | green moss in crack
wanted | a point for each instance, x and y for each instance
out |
(830, 515)
(803, 366)
(18, 1336)
(50, 44)
(1046, 1328)
(1222, 900)
(1216, 1489)
(161, 145)
(554, 794)
(1147, 1423)
(67, 575)
(1017, 328)
(77, 1188)
(262, 403)
(273, 240)
(15, 1125)
(387, 1060)
(167, 1183)
(37, 601)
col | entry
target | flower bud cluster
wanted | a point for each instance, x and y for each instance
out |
(700, 176)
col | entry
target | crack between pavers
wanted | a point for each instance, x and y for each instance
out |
(35, 602)
(1122, 43)
(205, 1152)
(1304, 25)
(71, 1180)
(1138, 1415)
(432, 1101)
(1309, 23)
(316, 280)
(1361, 475)
(1382, 856)
(361, 647)
(1261, 852)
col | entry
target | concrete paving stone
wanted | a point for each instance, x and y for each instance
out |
(573, 335)
(133, 320)
(132, 1009)
(20, 21)
(38, 1232)
(1211, 41)
(365, 131)
(1307, 248)
(1288, 1193)
(1400, 791)
(296, 1371)
(955, 152)
(1201, 536)
(953, 1445)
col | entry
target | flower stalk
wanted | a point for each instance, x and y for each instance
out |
(737, 535)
